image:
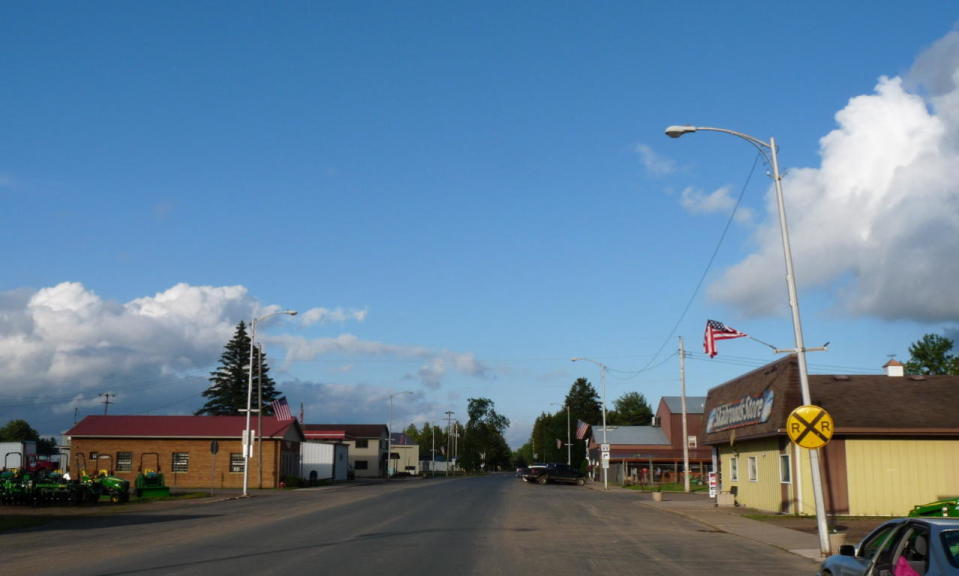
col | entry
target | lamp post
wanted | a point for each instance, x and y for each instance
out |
(768, 150)
(602, 376)
(389, 432)
(247, 437)
(569, 447)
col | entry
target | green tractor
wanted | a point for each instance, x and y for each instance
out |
(948, 508)
(149, 482)
(117, 489)
(102, 482)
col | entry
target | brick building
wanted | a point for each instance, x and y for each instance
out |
(183, 445)
(655, 452)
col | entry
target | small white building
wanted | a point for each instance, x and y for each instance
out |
(323, 461)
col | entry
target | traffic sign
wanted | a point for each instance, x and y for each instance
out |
(810, 426)
(605, 455)
(604, 447)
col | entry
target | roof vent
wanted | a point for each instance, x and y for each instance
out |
(917, 377)
(894, 368)
(842, 377)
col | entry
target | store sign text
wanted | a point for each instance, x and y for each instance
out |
(749, 410)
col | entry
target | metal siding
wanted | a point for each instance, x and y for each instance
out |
(889, 477)
(766, 493)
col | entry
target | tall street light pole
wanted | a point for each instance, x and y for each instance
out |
(682, 401)
(389, 433)
(449, 448)
(768, 150)
(602, 376)
(247, 437)
(569, 447)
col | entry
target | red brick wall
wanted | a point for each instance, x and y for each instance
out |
(201, 473)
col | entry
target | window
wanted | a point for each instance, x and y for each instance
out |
(236, 462)
(361, 465)
(785, 470)
(363, 443)
(93, 459)
(734, 469)
(124, 461)
(753, 469)
(950, 543)
(181, 462)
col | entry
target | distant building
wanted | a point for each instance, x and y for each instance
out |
(895, 442)
(654, 453)
(367, 445)
(406, 455)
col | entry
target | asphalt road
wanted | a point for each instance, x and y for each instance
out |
(491, 525)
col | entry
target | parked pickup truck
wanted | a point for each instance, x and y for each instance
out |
(560, 473)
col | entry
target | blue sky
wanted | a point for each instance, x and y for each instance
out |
(458, 198)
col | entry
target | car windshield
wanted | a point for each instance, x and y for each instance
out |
(876, 542)
(950, 544)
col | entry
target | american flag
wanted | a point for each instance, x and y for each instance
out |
(281, 410)
(581, 429)
(718, 331)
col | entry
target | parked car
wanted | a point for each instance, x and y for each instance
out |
(928, 546)
(532, 472)
(560, 473)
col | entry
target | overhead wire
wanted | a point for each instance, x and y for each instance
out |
(708, 267)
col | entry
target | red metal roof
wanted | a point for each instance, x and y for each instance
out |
(325, 434)
(351, 430)
(176, 426)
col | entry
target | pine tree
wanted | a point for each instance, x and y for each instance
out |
(228, 384)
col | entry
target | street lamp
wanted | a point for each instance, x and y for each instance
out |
(602, 377)
(768, 150)
(569, 447)
(247, 437)
(389, 433)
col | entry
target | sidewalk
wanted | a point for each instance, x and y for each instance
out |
(701, 508)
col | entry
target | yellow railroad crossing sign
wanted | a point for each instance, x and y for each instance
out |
(809, 426)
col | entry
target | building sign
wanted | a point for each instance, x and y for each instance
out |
(745, 412)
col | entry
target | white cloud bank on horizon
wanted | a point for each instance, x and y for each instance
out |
(879, 217)
(65, 343)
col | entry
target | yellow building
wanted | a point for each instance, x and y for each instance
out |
(895, 444)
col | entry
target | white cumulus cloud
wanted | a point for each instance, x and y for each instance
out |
(336, 315)
(61, 346)
(720, 200)
(653, 162)
(880, 215)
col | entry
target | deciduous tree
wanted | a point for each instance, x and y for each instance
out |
(932, 355)
(630, 409)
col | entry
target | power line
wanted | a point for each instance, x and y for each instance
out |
(709, 264)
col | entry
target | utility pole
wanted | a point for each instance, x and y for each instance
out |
(106, 401)
(682, 399)
(449, 448)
